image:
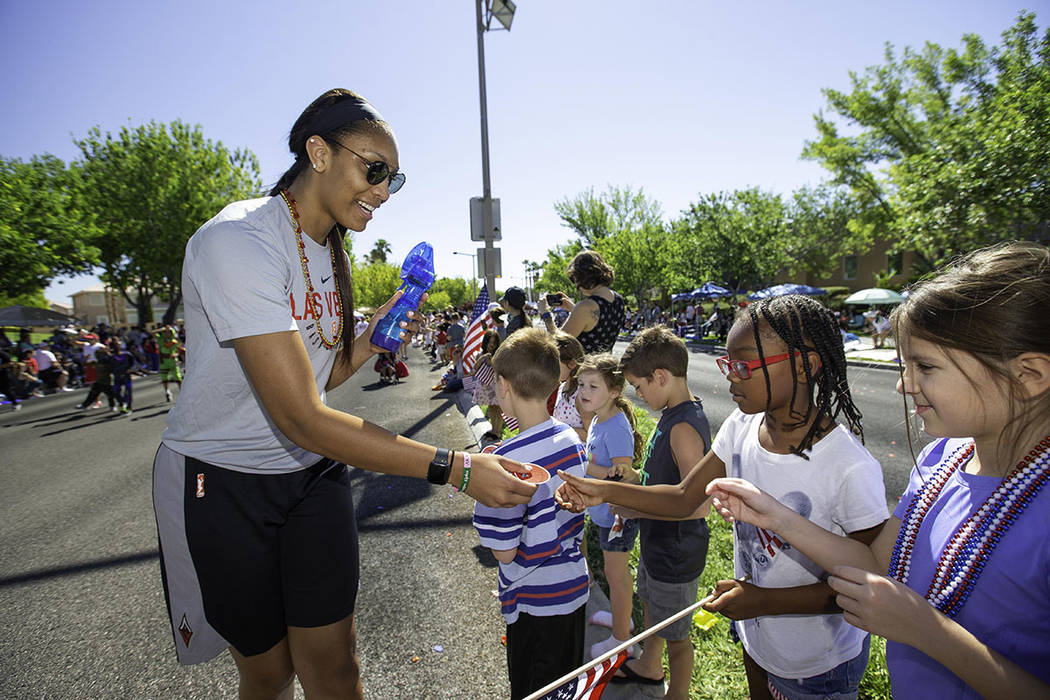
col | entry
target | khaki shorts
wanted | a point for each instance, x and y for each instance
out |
(666, 599)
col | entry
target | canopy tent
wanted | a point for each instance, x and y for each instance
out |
(874, 295)
(779, 290)
(710, 290)
(30, 316)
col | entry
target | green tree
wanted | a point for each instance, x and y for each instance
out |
(42, 232)
(375, 283)
(822, 226)
(147, 189)
(738, 239)
(594, 218)
(379, 252)
(457, 290)
(640, 258)
(948, 149)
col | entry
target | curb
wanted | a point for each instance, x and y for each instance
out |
(475, 417)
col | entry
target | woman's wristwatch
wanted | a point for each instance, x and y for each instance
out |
(440, 467)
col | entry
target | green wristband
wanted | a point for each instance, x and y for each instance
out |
(466, 472)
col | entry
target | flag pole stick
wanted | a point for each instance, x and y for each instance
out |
(626, 645)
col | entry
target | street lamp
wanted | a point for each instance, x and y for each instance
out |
(503, 11)
(474, 274)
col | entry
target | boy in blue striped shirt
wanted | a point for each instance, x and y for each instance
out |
(543, 578)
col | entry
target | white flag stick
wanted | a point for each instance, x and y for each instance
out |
(637, 638)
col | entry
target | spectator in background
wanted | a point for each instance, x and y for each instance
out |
(49, 369)
(8, 370)
(513, 302)
(26, 377)
(500, 323)
(881, 328)
(456, 333)
(600, 316)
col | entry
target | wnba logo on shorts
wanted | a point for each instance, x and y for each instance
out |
(200, 486)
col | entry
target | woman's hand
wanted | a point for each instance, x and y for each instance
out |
(736, 600)
(576, 493)
(882, 605)
(363, 347)
(492, 481)
(737, 499)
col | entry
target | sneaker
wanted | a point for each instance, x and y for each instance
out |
(167, 395)
(114, 409)
(126, 411)
(65, 388)
(18, 407)
(81, 407)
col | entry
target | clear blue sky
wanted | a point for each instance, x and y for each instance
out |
(678, 98)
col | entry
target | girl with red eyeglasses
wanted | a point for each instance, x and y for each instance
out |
(787, 374)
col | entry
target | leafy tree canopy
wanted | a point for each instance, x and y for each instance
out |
(946, 150)
(42, 230)
(147, 189)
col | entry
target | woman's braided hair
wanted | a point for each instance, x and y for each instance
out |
(805, 326)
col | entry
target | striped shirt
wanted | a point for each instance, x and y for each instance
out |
(548, 575)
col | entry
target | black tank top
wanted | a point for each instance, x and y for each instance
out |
(611, 317)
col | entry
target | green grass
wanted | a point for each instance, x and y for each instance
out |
(718, 669)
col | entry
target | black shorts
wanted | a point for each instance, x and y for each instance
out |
(246, 555)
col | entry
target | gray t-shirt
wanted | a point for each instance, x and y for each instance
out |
(242, 277)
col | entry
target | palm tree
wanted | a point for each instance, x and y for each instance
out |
(379, 252)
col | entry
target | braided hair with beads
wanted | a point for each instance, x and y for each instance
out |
(806, 326)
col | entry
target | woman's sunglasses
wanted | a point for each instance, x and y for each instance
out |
(377, 171)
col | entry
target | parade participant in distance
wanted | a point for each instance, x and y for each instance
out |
(254, 510)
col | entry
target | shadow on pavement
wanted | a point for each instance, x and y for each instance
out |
(72, 570)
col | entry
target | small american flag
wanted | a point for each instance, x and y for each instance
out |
(589, 684)
(480, 320)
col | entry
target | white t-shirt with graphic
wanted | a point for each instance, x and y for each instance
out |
(839, 488)
(242, 277)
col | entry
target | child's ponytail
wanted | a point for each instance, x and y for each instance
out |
(570, 353)
(628, 410)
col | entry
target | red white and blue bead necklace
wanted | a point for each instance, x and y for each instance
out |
(337, 326)
(967, 552)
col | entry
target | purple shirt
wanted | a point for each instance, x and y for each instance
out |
(1009, 607)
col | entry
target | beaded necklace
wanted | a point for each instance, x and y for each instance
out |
(967, 552)
(337, 326)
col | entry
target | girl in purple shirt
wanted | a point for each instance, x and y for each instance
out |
(966, 605)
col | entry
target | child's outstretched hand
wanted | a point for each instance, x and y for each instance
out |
(737, 600)
(737, 499)
(576, 493)
(882, 605)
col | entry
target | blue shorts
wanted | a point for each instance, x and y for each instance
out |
(623, 543)
(840, 683)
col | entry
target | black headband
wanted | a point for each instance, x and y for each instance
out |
(340, 114)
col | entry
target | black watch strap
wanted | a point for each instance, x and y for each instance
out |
(440, 467)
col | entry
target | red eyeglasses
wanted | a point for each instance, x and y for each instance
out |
(742, 368)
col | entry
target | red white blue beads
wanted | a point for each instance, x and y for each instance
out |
(964, 556)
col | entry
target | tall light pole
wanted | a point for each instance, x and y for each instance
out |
(503, 11)
(474, 274)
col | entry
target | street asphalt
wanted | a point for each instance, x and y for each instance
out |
(82, 606)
